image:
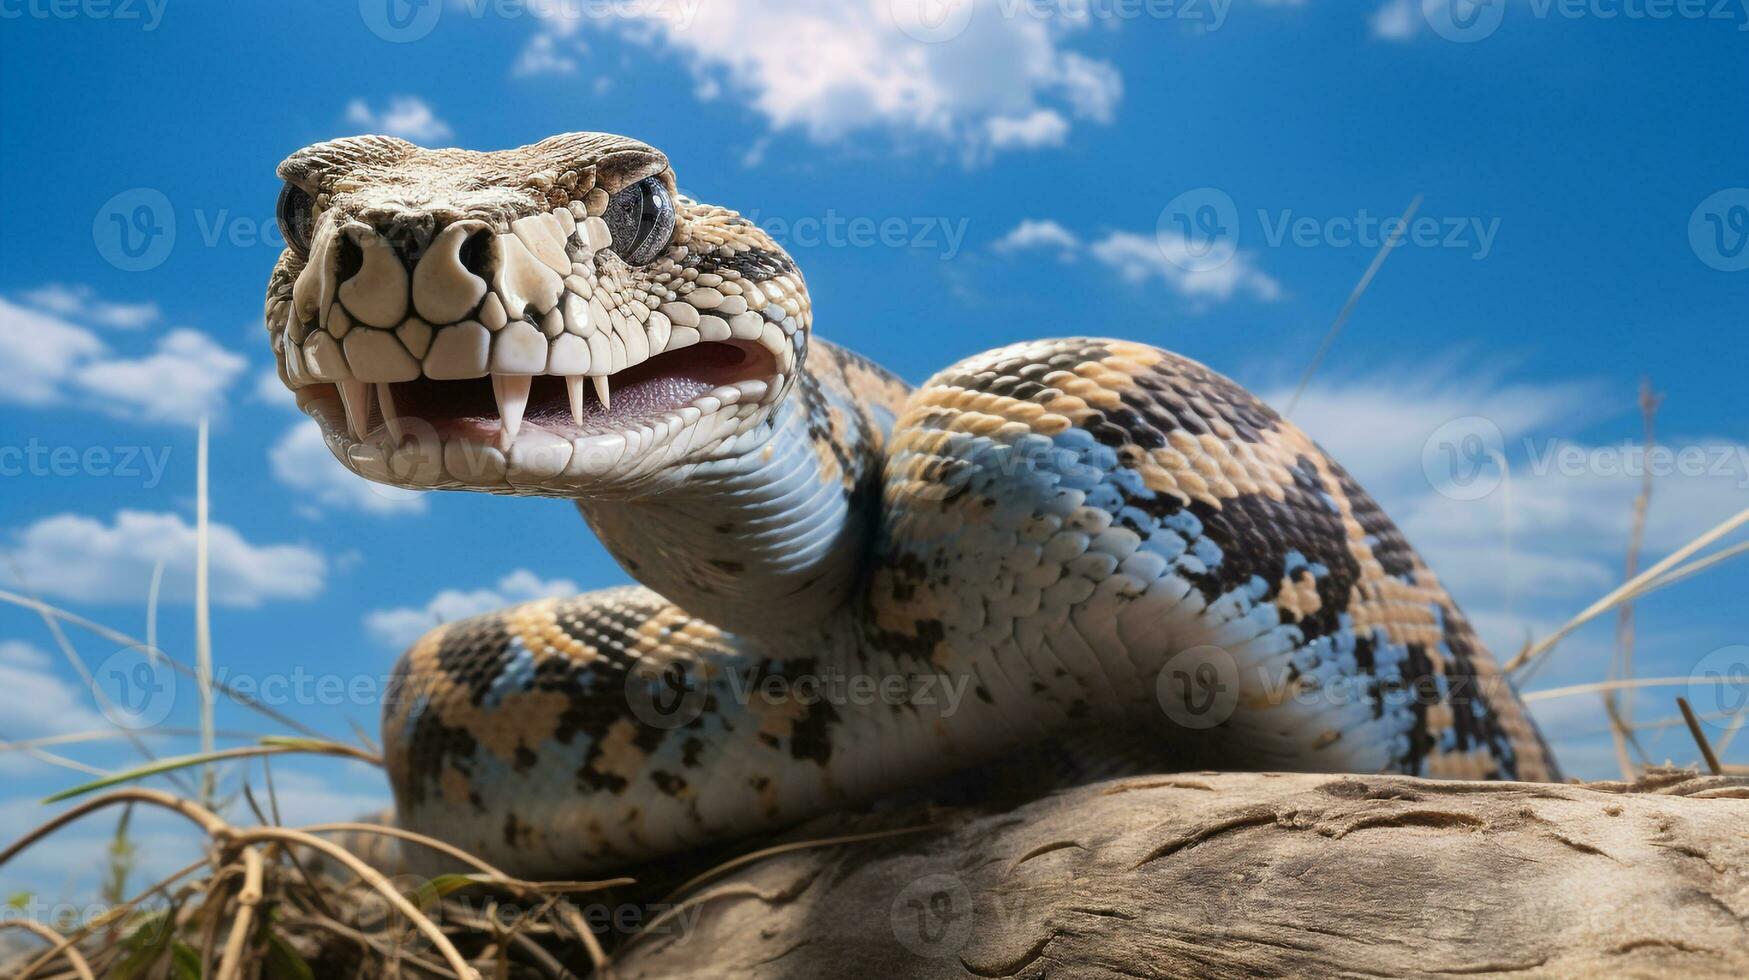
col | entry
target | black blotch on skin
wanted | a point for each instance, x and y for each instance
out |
(1424, 693)
(431, 748)
(1388, 544)
(1474, 720)
(514, 831)
(474, 654)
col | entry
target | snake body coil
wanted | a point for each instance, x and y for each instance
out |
(848, 585)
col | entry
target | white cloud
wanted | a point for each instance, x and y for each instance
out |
(400, 627)
(81, 302)
(1376, 424)
(1032, 233)
(1395, 20)
(37, 354)
(182, 380)
(831, 69)
(406, 116)
(1169, 259)
(75, 557)
(301, 460)
(542, 57)
(1139, 259)
(1041, 127)
(34, 702)
(44, 359)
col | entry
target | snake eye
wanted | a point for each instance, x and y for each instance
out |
(297, 216)
(641, 218)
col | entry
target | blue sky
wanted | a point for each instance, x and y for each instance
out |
(1012, 170)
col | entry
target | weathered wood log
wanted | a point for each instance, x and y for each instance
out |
(1236, 874)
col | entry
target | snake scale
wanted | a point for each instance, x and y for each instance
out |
(849, 585)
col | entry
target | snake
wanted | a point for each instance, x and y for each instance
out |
(847, 585)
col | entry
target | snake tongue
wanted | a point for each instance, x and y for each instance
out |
(511, 390)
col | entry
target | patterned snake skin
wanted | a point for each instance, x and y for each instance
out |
(849, 586)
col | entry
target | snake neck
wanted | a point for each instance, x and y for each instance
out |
(766, 543)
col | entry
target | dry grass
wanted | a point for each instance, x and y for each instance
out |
(276, 902)
(265, 908)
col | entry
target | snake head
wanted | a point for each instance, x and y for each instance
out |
(553, 320)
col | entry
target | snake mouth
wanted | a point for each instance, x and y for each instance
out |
(482, 432)
(639, 396)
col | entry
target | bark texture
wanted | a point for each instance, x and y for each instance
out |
(1242, 874)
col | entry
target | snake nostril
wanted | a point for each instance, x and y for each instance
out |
(349, 260)
(476, 252)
